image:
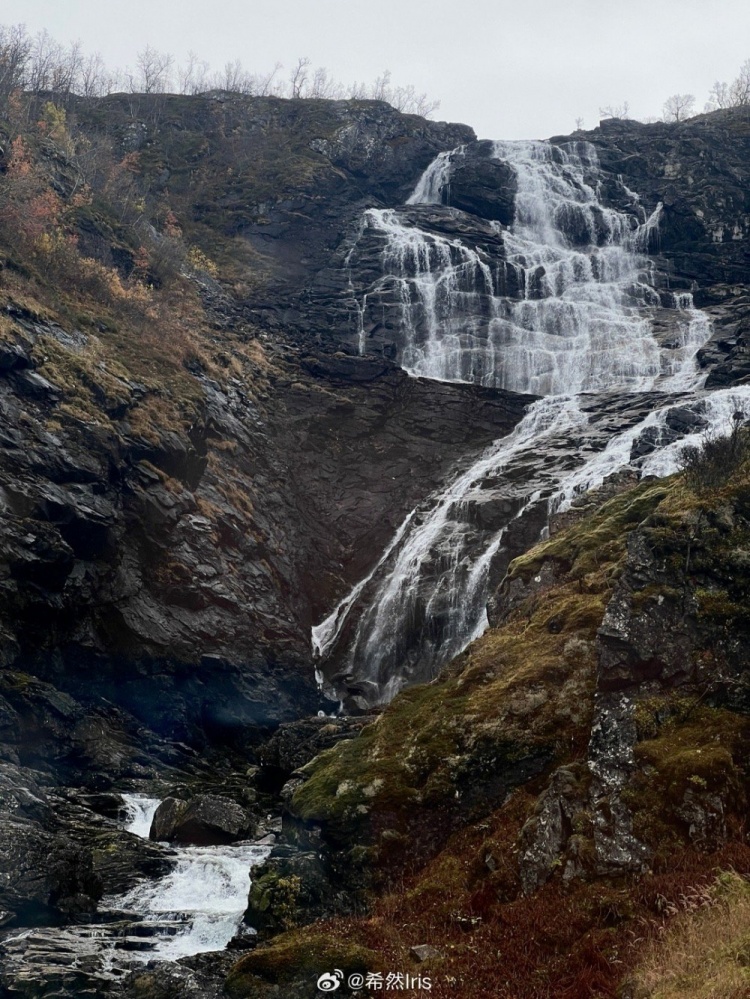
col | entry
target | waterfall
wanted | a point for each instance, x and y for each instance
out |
(436, 179)
(567, 309)
(199, 905)
(139, 814)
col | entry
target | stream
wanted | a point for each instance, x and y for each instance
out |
(196, 907)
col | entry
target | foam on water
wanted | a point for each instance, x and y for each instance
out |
(205, 894)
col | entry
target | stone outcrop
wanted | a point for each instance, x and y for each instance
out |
(205, 820)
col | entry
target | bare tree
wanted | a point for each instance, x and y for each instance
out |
(40, 64)
(323, 86)
(268, 84)
(94, 80)
(153, 72)
(234, 78)
(407, 99)
(45, 56)
(678, 107)
(298, 78)
(380, 90)
(731, 95)
(718, 97)
(357, 91)
(15, 50)
(579, 124)
(739, 88)
(192, 78)
(616, 111)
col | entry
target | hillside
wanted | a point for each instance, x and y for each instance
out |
(226, 339)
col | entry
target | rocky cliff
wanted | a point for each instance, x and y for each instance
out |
(179, 527)
(208, 438)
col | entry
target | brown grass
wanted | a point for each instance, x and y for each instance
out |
(703, 951)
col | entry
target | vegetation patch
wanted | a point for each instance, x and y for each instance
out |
(704, 949)
(597, 542)
(693, 754)
(300, 955)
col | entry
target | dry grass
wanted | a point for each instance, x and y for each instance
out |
(704, 950)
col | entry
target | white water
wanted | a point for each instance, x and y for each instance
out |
(139, 814)
(325, 633)
(577, 321)
(570, 311)
(200, 902)
(435, 179)
(197, 907)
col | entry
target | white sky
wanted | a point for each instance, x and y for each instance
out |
(511, 69)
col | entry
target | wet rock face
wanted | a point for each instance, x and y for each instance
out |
(698, 170)
(482, 185)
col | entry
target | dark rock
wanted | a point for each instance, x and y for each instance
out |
(291, 890)
(13, 357)
(482, 185)
(31, 383)
(165, 819)
(654, 643)
(205, 820)
(47, 877)
(199, 977)
(120, 860)
(295, 743)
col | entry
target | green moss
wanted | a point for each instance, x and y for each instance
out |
(272, 893)
(301, 954)
(655, 593)
(597, 540)
(690, 749)
(717, 604)
(12, 681)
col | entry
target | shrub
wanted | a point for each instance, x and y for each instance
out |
(710, 464)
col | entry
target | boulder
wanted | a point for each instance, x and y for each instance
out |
(165, 819)
(205, 820)
(483, 185)
(290, 889)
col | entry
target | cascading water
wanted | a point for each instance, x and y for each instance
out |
(196, 907)
(200, 903)
(139, 814)
(568, 310)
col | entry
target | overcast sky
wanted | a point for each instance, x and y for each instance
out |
(509, 68)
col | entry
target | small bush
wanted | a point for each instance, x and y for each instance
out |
(712, 463)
